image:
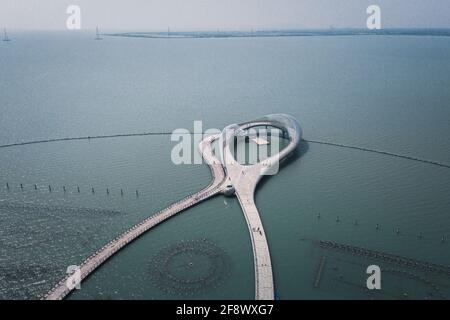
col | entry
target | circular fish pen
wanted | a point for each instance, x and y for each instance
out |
(189, 267)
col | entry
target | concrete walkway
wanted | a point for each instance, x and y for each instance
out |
(244, 179)
(227, 175)
(62, 289)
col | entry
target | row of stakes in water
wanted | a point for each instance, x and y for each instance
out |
(377, 227)
(65, 189)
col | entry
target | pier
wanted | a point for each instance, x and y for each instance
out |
(227, 175)
(62, 289)
(244, 179)
(386, 257)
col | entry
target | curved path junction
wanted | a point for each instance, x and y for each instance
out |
(226, 174)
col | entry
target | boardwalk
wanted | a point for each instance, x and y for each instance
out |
(227, 174)
(95, 260)
(244, 179)
(264, 284)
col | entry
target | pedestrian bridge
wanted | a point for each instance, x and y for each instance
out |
(226, 173)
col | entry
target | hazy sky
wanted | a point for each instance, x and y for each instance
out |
(221, 14)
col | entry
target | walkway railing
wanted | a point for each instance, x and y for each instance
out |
(88, 266)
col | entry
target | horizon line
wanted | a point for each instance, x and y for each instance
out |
(221, 30)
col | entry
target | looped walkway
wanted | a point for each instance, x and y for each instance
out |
(62, 289)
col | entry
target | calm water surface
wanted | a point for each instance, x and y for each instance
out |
(387, 93)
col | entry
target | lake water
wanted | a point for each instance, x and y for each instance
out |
(381, 92)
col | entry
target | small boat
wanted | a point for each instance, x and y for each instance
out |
(97, 35)
(5, 36)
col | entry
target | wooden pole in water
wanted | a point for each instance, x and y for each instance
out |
(121, 192)
(7, 185)
(49, 188)
(35, 187)
(93, 191)
(319, 271)
(21, 187)
(78, 189)
(137, 194)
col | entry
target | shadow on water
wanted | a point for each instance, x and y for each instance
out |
(299, 152)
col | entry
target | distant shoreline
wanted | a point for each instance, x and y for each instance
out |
(283, 33)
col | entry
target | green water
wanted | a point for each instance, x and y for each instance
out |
(388, 93)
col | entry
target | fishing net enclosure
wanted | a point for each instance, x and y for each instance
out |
(189, 267)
